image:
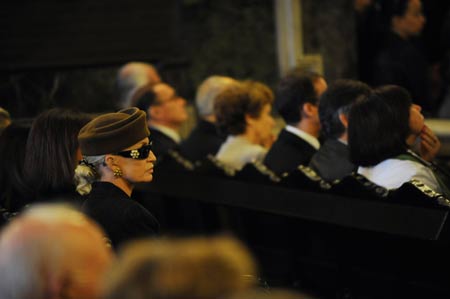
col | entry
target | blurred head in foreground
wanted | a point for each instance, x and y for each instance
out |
(52, 251)
(181, 268)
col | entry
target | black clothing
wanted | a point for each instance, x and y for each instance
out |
(67, 195)
(287, 152)
(402, 63)
(121, 217)
(203, 140)
(332, 161)
(161, 143)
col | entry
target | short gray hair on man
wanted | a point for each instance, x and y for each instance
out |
(131, 77)
(47, 246)
(208, 91)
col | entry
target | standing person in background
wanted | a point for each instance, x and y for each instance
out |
(332, 160)
(401, 61)
(297, 100)
(205, 138)
(117, 154)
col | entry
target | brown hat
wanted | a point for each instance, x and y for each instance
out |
(112, 132)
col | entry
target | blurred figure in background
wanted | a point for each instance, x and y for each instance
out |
(205, 138)
(196, 268)
(243, 111)
(297, 100)
(52, 251)
(133, 76)
(401, 60)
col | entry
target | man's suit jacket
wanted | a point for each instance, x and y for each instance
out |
(332, 161)
(288, 152)
(203, 140)
(161, 143)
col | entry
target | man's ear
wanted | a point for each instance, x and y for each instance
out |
(309, 109)
(154, 112)
(344, 120)
(249, 120)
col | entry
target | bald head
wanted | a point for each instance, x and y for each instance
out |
(52, 251)
(131, 77)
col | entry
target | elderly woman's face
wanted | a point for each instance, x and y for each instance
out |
(263, 125)
(138, 170)
(416, 119)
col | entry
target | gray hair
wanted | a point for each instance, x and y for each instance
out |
(34, 250)
(87, 172)
(208, 91)
(131, 77)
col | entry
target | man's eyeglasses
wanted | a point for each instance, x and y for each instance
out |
(138, 154)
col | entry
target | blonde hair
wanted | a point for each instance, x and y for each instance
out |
(87, 172)
(181, 268)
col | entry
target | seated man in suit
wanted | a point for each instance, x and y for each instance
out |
(296, 100)
(166, 112)
(205, 138)
(332, 161)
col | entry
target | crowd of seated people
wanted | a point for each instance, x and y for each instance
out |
(94, 164)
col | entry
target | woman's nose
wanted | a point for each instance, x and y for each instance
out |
(151, 157)
(417, 107)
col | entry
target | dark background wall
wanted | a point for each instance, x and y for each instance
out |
(69, 33)
(66, 52)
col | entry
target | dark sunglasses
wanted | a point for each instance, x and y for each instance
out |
(139, 154)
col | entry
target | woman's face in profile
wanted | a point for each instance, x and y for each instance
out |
(138, 170)
(264, 124)
(416, 119)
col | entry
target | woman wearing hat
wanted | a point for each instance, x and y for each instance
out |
(116, 155)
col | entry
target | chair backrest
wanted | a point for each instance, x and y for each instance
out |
(211, 166)
(173, 162)
(356, 185)
(415, 192)
(304, 178)
(256, 172)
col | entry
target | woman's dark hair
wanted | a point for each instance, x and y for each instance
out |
(234, 103)
(14, 192)
(337, 99)
(379, 125)
(293, 91)
(51, 150)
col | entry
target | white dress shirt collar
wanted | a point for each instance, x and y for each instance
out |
(313, 141)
